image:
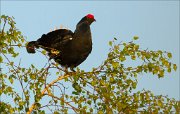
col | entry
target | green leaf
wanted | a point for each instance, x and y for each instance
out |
(32, 66)
(15, 55)
(4, 51)
(75, 93)
(91, 110)
(11, 50)
(1, 59)
(76, 87)
(115, 64)
(136, 37)
(44, 52)
(160, 103)
(19, 44)
(169, 70)
(89, 102)
(161, 74)
(133, 57)
(23, 69)
(110, 43)
(160, 52)
(174, 67)
(111, 79)
(33, 76)
(11, 79)
(11, 63)
(134, 84)
(56, 112)
(169, 55)
(93, 83)
(124, 44)
(155, 71)
(136, 47)
(122, 58)
(100, 112)
(136, 98)
(9, 89)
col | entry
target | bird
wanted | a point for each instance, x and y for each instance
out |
(67, 48)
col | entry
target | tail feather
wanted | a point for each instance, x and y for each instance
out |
(31, 47)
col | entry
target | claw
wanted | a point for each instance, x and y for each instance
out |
(66, 70)
(72, 69)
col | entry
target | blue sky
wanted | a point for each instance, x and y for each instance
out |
(155, 22)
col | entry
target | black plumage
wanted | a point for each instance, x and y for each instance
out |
(65, 47)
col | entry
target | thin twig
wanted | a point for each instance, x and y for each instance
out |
(4, 26)
(46, 88)
(20, 81)
(51, 95)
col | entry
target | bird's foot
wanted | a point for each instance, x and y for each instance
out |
(72, 69)
(66, 70)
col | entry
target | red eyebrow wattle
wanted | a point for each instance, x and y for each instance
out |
(90, 16)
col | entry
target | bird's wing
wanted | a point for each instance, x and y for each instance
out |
(56, 39)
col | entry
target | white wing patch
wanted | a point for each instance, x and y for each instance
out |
(60, 27)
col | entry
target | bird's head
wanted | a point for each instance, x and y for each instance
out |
(90, 18)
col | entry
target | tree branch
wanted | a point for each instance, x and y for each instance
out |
(46, 88)
(51, 95)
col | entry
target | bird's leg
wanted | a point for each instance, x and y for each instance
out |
(51, 55)
(66, 69)
(72, 69)
(70, 73)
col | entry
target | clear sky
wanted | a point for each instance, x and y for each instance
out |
(155, 22)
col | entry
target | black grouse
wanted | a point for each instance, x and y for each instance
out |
(65, 47)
